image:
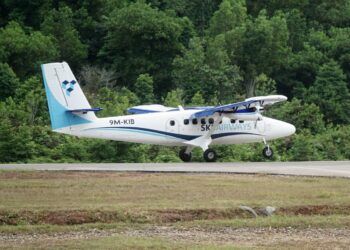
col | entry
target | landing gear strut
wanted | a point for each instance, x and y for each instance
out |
(210, 155)
(184, 155)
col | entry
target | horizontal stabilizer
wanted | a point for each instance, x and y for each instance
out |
(144, 109)
(85, 110)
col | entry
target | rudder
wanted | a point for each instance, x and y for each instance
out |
(63, 94)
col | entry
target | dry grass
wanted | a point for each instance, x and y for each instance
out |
(170, 211)
(139, 192)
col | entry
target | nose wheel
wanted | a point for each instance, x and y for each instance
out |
(210, 155)
(267, 152)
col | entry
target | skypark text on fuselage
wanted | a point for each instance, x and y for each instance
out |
(235, 123)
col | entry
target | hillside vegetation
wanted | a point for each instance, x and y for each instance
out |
(173, 52)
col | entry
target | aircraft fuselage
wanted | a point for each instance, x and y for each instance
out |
(175, 127)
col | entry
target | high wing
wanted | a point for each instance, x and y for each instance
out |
(258, 101)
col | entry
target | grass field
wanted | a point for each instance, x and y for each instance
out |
(80, 210)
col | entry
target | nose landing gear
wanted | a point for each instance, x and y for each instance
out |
(267, 151)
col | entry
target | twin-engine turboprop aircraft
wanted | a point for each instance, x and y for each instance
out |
(235, 123)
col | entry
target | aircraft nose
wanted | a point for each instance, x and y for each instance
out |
(288, 129)
(277, 129)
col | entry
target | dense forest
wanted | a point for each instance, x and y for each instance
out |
(173, 52)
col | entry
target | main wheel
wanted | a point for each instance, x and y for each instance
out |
(209, 155)
(267, 152)
(186, 157)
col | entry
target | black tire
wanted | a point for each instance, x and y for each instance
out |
(267, 152)
(185, 157)
(210, 155)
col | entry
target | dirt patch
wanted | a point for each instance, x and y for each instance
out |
(74, 217)
(69, 217)
(175, 215)
(315, 210)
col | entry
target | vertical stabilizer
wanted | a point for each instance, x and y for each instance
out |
(64, 94)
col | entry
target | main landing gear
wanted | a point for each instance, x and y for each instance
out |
(185, 155)
(209, 155)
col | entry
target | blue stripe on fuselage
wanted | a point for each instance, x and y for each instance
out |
(174, 135)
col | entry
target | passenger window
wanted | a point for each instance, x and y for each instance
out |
(233, 120)
(186, 121)
(240, 121)
(211, 121)
(172, 123)
(203, 121)
(194, 121)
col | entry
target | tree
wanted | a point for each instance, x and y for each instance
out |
(197, 100)
(206, 71)
(297, 27)
(94, 78)
(265, 85)
(29, 13)
(301, 70)
(114, 101)
(198, 11)
(144, 88)
(258, 46)
(301, 115)
(59, 24)
(224, 76)
(142, 39)
(8, 81)
(331, 94)
(188, 71)
(25, 51)
(339, 48)
(174, 98)
(231, 14)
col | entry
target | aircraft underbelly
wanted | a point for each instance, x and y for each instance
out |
(237, 139)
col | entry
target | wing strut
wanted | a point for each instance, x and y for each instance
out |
(205, 140)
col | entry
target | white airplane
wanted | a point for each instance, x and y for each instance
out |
(236, 123)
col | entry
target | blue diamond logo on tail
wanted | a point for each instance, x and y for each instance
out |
(69, 88)
(64, 84)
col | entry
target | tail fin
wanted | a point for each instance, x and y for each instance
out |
(64, 95)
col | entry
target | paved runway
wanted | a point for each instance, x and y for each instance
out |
(319, 168)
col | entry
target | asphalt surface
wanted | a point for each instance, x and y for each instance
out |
(314, 168)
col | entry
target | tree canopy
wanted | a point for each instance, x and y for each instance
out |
(176, 52)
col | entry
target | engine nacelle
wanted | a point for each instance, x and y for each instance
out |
(248, 116)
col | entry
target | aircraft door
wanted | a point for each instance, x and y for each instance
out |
(172, 126)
